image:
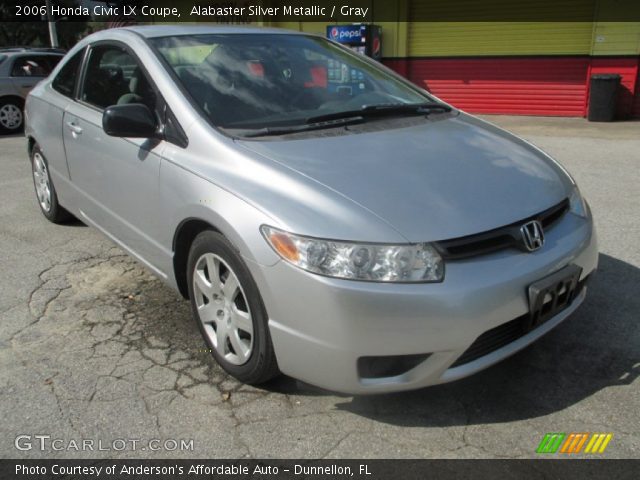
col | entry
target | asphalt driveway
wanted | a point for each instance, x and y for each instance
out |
(93, 347)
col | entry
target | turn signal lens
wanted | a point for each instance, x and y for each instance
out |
(409, 263)
(284, 246)
(578, 204)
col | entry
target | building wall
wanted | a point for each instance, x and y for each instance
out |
(445, 39)
(521, 67)
(515, 66)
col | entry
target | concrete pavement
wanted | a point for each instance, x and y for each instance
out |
(93, 347)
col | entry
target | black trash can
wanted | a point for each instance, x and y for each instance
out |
(603, 95)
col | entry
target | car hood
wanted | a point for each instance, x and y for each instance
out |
(432, 181)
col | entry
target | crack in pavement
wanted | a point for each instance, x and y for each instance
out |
(105, 335)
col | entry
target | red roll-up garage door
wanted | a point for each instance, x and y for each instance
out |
(524, 85)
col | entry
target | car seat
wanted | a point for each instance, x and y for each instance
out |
(140, 90)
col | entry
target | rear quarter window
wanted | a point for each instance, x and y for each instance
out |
(66, 79)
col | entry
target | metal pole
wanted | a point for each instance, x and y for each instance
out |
(53, 33)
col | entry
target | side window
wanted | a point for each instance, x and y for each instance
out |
(65, 81)
(29, 66)
(114, 77)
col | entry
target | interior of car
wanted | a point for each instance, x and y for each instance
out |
(234, 83)
(114, 77)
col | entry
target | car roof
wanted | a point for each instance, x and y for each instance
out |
(151, 31)
(26, 50)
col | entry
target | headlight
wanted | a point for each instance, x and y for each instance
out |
(577, 204)
(358, 261)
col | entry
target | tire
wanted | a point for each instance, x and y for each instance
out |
(11, 115)
(228, 309)
(45, 191)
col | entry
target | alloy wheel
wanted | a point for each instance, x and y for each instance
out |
(223, 309)
(41, 180)
(10, 116)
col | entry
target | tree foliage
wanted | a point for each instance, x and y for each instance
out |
(34, 30)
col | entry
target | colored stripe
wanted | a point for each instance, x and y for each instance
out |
(550, 443)
(567, 443)
(577, 438)
(579, 446)
(542, 448)
(596, 444)
(605, 443)
(591, 442)
(573, 443)
(557, 443)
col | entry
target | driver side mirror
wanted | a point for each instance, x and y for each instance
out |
(133, 120)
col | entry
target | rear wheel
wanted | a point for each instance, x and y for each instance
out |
(227, 306)
(45, 191)
(11, 116)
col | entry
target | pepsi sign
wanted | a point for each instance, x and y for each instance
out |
(347, 33)
(364, 39)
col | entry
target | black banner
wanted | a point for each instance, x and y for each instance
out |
(329, 11)
(584, 469)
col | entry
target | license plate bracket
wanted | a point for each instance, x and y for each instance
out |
(552, 294)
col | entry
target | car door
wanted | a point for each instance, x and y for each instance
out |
(116, 178)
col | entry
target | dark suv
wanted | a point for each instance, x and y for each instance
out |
(20, 70)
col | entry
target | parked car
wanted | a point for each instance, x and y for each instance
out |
(20, 69)
(326, 218)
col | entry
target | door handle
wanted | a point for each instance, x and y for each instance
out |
(74, 128)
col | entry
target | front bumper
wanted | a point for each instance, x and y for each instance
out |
(321, 326)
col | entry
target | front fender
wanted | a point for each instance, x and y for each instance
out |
(186, 196)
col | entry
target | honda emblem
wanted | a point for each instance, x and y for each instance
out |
(532, 235)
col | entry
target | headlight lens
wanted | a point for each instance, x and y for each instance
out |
(358, 261)
(577, 204)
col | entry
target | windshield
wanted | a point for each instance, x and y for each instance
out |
(253, 81)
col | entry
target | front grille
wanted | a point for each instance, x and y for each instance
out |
(500, 238)
(500, 336)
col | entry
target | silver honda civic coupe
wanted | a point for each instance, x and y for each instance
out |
(326, 218)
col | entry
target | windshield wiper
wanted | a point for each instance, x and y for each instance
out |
(305, 127)
(347, 117)
(384, 109)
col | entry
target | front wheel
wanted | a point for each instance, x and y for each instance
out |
(227, 306)
(11, 116)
